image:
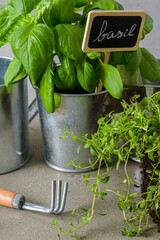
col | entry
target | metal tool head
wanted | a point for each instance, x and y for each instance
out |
(59, 196)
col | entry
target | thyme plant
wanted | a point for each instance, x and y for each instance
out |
(138, 126)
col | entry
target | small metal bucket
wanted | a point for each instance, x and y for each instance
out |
(14, 134)
(77, 113)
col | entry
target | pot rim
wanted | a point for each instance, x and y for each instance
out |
(81, 94)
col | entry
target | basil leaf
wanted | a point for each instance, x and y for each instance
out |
(148, 26)
(149, 66)
(67, 63)
(24, 6)
(64, 81)
(105, 5)
(93, 55)
(127, 79)
(15, 72)
(57, 100)
(61, 11)
(102, 5)
(81, 3)
(8, 16)
(117, 58)
(111, 80)
(69, 40)
(33, 46)
(41, 9)
(119, 6)
(10, 20)
(133, 60)
(46, 88)
(86, 76)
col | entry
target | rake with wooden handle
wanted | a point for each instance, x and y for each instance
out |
(16, 200)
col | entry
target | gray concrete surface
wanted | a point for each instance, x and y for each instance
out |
(33, 180)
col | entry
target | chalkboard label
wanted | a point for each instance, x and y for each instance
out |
(113, 31)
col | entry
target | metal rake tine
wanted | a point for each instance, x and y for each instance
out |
(59, 209)
(58, 196)
(53, 191)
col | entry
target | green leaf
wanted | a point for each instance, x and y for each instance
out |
(124, 181)
(148, 26)
(102, 195)
(46, 88)
(86, 145)
(69, 40)
(41, 9)
(81, 3)
(119, 6)
(57, 100)
(128, 80)
(90, 161)
(124, 105)
(157, 206)
(144, 102)
(157, 173)
(118, 58)
(24, 6)
(61, 11)
(14, 73)
(117, 165)
(86, 76)
(93, 152)
(80, 166)
(133, 195)
(105, 180)
(8, 17)
(133, 60)
(33, 46)
(153, 188)
(112, 80)
(12, 26)
(151, 156)
(93, 55)
(149, 66)
(54, 222)
(78, 149)
(64, 81)
(67, 63)
(105, 5)
(131, 134)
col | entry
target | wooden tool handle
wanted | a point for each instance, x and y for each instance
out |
(6, 197)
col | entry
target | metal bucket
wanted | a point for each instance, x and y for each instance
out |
(14, 134)
(77, 113)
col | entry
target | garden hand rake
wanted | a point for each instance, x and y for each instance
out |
(15, 200)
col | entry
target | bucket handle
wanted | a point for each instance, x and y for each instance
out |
(33, 109)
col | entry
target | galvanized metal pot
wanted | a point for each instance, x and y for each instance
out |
(14, 140)
(77, 113)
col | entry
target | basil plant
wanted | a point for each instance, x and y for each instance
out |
(46, 38)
